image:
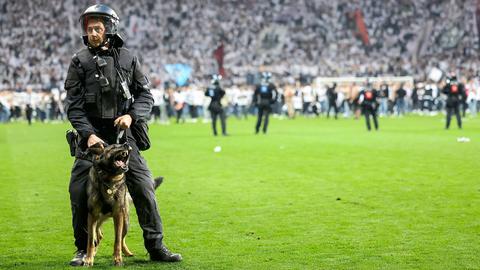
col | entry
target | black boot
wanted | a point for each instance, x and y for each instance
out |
(78, 258)
(164, 255)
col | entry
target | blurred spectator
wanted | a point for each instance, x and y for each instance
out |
(318, 38)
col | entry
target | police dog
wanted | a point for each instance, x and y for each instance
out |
(108, 197)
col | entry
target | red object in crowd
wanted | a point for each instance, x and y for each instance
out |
(218, 54)
(368, 95)
(361, 27)
(454, 88)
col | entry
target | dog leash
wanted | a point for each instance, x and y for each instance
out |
(121, 133)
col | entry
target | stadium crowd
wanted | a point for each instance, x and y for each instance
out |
(296, 40)
(189, 103)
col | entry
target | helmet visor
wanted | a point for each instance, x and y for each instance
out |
(90, 22)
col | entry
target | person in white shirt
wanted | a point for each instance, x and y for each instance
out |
(179, 103)
(307, 94)
(159, 110)
(243, 99)
(4, 109)
(198, 100)
(189, 100)
(472, 88)
(157, 100)
(233, 93)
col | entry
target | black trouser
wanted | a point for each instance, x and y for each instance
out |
(453, 108)
(263, 111)
(427, 104)
(464, 107)
(193, 111)
(244, 111)
(223, 122)
(29, 116)
(155, 112)
(179, 115)
(140, 185)
(332, 104)
(305, 107)
(369, 111)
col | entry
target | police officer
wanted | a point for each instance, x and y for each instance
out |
(332, 96)
(106, 91)
(368, 102)
(455, 92)
(264, 97)
(216, 93)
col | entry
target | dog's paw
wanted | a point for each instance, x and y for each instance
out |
(117, 261)
(88, 262)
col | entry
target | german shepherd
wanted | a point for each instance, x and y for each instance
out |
(108, 197)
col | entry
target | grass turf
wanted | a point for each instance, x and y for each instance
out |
(312, 194)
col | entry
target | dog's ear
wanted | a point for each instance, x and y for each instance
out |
(96, 149)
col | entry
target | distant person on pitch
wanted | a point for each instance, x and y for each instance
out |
(332, 100)
(455, 92)
(368, 102)
(216, 93)
(264, 97)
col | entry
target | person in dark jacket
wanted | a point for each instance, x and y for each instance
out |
(332, 96)
(107, 91)
(264, 97)
(368, 102)
(216, 93)
(455, 92)
(400, 99)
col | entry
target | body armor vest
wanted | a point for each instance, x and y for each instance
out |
(104, 100)
(266, 91)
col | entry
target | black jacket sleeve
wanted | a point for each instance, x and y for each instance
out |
(74, 103)
(143, 100)
(463, 93)
(255, 96)
(446, 89)
(274, 94)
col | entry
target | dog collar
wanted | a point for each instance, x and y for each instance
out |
(111, 189)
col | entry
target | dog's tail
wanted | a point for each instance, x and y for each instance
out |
(157, 182)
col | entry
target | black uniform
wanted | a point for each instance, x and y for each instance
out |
(91, 108)
(332, 96)
(264, 97)
(29, 113)
(368, 101)
(455, 94)
(216, 110)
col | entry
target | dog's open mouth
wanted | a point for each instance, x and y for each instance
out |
(121, 160)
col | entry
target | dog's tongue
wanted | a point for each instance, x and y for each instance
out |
(119, 163)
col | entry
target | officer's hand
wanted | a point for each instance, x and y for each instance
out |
(123, 121)
(93, 139)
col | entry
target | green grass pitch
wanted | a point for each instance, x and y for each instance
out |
(311, 194)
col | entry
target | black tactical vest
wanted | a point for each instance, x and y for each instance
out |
(106, 102)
